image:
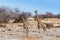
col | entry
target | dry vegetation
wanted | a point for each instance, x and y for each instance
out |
(15, 24)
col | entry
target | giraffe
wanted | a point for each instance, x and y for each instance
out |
(40, 24)
(25, 26)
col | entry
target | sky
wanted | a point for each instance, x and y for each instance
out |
(42, 6)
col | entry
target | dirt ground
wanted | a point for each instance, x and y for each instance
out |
(15, 32)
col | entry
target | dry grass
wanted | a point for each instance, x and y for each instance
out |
(58, 38)
(35, 38)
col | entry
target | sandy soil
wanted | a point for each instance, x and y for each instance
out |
(18, 33)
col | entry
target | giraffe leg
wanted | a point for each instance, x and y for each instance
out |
(44, 28)
(38, 30)
(27, 31)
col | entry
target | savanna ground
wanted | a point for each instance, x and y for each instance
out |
(14, 31)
